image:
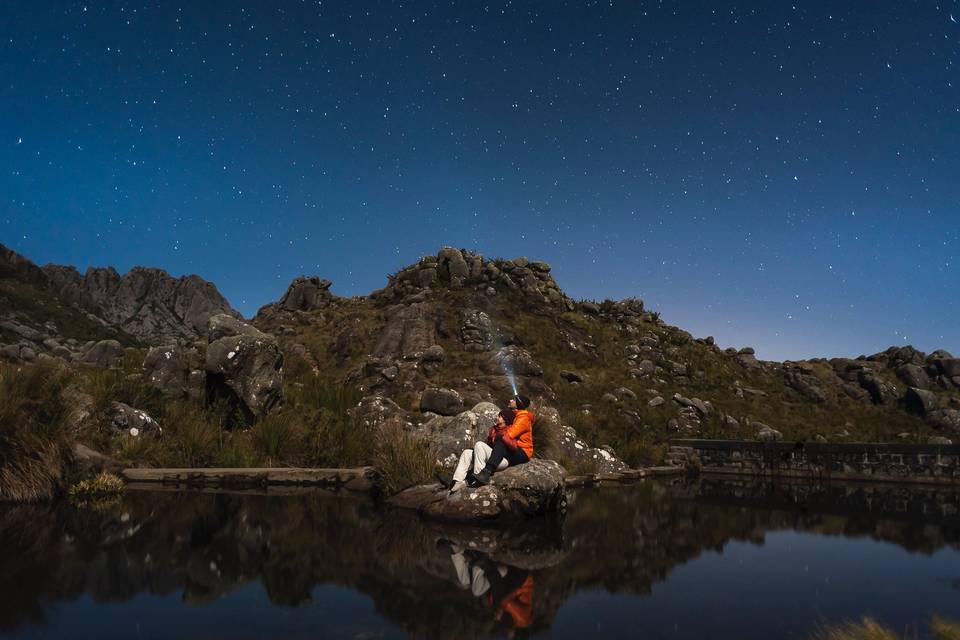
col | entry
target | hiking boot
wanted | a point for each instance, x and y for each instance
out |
(483, 477)
(457, 486)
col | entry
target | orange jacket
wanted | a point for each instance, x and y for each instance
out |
(518, 605)
(520, 433)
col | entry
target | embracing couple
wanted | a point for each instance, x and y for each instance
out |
(509, 442)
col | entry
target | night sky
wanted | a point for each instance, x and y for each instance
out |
(784, 177)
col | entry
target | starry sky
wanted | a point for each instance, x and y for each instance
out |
(782, 175)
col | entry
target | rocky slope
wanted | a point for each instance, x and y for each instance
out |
(447, 338)
(55, 311)
(445, 333)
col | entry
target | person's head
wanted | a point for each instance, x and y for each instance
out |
(506, 417)
(519, 402)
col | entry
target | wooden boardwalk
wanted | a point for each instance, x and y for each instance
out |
(360, 479)
(292, 480)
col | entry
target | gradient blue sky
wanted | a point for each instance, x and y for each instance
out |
(782, 176)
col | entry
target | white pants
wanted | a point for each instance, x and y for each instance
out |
(469, 577)
(479, 456)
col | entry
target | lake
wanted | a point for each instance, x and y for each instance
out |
(675, 558)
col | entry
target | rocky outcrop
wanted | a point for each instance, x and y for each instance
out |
(565, 445)
(147, 303)
(17, 267)
(243, 365)
(409, 331)
(532, 489)
(459, 269)
(306, 294)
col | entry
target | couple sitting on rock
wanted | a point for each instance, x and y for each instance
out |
(509, 442)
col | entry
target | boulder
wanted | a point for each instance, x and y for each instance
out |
(623, 393)
(137, 423)
(914, 376)
(571, 376)
(945, 419)
(452, 266)
(89, 461)
(766, 433)
(168, 368)
(949, 367)
(532, 489)
(306, 294)
(687, 422)
(106, 353)
(244, 364)
(880, 390)
(920, 401)
(448, 436)
(445, 402)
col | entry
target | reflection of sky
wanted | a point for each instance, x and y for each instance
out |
(782, 176)
(246, 613)
(780, 589)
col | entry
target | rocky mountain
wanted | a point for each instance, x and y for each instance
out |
(455, 329)
(455, 334)
(55, 311)
(149, 304)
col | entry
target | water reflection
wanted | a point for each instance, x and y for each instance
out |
(424, 579)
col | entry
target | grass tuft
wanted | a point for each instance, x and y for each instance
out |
(403, 459)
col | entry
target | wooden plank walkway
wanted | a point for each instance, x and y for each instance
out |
(360, 479)
(623, 476)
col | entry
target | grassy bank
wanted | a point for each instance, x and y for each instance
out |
(44, 408)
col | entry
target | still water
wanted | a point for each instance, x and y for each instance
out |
(670, 559)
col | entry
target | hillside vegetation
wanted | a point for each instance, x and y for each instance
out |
(320, 380)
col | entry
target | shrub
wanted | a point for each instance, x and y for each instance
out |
(32, 431)
(403, 459)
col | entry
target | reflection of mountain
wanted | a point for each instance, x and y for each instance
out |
(619, 539)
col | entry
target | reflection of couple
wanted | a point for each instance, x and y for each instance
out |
(507, 590)
(509, 442)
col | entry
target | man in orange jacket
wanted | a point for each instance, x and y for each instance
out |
(515, 445)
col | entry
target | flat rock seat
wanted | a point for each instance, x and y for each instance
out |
(531, 489)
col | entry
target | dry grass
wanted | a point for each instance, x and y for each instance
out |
(104, 484)
(403, 459)
(867, 628)
(32, 425)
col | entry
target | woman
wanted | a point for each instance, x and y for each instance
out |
(481, 451)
